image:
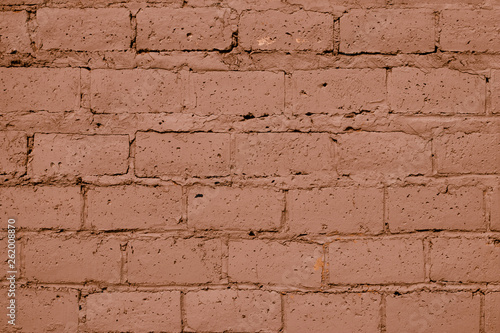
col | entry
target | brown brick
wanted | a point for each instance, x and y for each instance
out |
(13, 153)
(333, 5)
(495, 209)
(492, 312)
(275, 30)
(14, 32)
(376, 261)
(495, 91)
(87, 29)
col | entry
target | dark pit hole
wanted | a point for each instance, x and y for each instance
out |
(199, 195)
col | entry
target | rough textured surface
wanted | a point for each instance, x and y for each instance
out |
(492, 312)
(14, 32)
(14, 153)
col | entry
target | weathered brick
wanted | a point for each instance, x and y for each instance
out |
(134, 311)
(470, 30)
(387, 31)
(271, 262)
(40, 207)
(427, 312)
(14, 32)
(184, 29)
(465, 260)
(55, 259)
(495, 91)
(438, 2)
(316, 312)
(13, 153)
(36, 89)
(376, 261)
(87, 29)
(134, 207)
(390, 154)
(234, 208)
(425, 207)
(233, 311)
(268, 154)
(333, 5)
(338, 210)
(412, 90)
(239, 93)
(182, 154)
(73, 154)
(492, 312)
(241, 5)
(178, 261)
(467, 153)
(275, 30)
(495, 209)
(138, 90)
(21, 2)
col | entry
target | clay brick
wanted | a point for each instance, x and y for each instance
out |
(316, 312)
(137, 90)
(134, 207)
(333, 5)
(234, 208)
(492, 312)
(182, 154)
(376, 261)
(134, 311)
(178, 261)
(21, 2)
(13, 153)
(442, 90)
(495, 91)
(70, 259)
(433, 312)
(275, 30)
(73, 154)
(166, 29)
(36, 89)
(467, 153)
(470, 30)
(233, 311)
(269, 154)
(270, 262)
(438, 2)
(420, 208)
(240, 5)
(390, 154)
(239, 93)
(338, 210)
(495, 209)
(87, 29)
(14, 32)
(41, 207)
(465, 260)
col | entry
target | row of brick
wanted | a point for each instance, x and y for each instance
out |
(256, 310)
(178, 261)
(333, 91)
(344, 210)
(164, 29)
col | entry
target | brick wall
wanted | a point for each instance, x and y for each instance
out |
(252, 166)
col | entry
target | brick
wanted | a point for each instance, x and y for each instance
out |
(495, 91)
(177, 261)
(387, 31)
(338, 210)
(166, 29)
(237, 93)
(241, 5)
(376, 261)
(37, 89)
(73, 154)
(433, 312)
(233, 311)
(270, 262)
(137, 90)
(41, 207)
(439, 91)
(316, 312)
(134, 207)
(87, 29)
(389, 154)
(465, 260)
(470, 30)
(13, 153)
(21, 2)
(438, 2)
(467, 153)
(338, 91)
(495, 209)
(230, 208)
(421, 208)
(333, 5)
(275, 30)
(182, 154)
(269, 154)
(134, 311)
(14, 33)
(492, 312)
(71, 259)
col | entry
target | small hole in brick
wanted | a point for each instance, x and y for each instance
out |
(397, 293)
(251, 233)
(324, 84)
(199, 195)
